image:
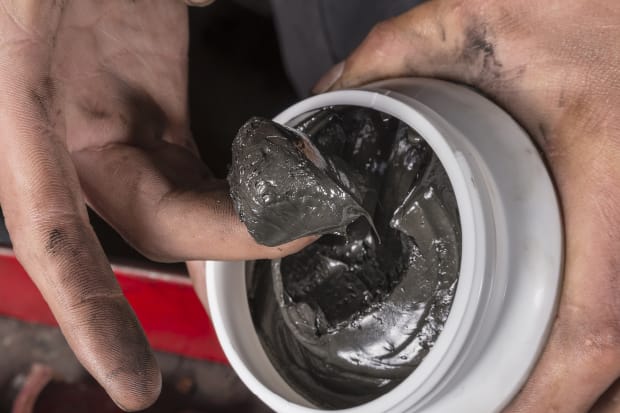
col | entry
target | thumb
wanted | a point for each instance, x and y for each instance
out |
(429, 40)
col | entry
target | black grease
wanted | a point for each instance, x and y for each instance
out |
(284, 189)
(479, 52)
(348, 318)
(55, 241)
(43, 96)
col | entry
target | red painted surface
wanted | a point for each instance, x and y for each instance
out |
(171, 314)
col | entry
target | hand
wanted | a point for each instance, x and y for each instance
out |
(555, 66)
(93, 108)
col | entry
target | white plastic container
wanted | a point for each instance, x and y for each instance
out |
(510, 271)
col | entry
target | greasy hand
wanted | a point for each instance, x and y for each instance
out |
(93, 108)
(555, 66)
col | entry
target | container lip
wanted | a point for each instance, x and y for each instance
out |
(534, 273)
(270, 397)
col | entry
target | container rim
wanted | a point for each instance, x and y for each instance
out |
(514, 254)
(473, 241)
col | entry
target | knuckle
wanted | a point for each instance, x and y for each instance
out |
(606, 338)
(53, 234)
(58, 236)
(604, 344)
(65, 260)
(382, 33)
(596, 336)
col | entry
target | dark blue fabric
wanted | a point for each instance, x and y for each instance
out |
(316, 34)
(347, 22)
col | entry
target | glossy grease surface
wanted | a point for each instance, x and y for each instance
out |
(352, 315)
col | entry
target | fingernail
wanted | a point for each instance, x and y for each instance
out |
(199, 3)
(329, 79)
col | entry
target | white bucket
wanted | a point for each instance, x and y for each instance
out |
(511, 261)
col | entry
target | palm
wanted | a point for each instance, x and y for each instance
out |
(121, 69)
